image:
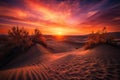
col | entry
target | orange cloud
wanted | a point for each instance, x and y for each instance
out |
(68, 16)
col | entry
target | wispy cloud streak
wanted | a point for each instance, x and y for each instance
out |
(77, 16)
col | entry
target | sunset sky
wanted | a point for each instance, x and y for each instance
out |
(69, 17)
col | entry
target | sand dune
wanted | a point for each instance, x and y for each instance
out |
(88, 65)
(100, 63)
(36, 54)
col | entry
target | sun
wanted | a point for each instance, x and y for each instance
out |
(59, 33)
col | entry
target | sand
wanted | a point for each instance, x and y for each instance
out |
(100, 63)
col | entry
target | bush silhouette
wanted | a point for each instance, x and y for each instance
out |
(39, 38)
(18, 42)
(19, 37)
(100, 37)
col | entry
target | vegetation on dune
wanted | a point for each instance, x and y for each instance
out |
(99, 37)
(18, 41)
(37, 37)
(19, 37)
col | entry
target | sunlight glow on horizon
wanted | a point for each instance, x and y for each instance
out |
(59, 31)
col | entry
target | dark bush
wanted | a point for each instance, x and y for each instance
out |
(37, 37)
(100, 37)
(19, 37)
(17, 42)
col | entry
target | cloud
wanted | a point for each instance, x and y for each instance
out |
(108, 17)
(79, 15)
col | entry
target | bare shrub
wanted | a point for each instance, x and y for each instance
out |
(19, 37)
(18, 42)
(99, 37)
(39, 38)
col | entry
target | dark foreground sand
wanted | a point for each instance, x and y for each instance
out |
(100, 63)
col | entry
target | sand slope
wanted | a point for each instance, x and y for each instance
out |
(36, 54)
(100, 63)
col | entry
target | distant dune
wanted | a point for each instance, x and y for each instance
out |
(100, 63)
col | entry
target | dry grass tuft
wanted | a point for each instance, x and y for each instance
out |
(99, 37)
